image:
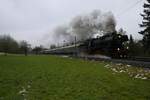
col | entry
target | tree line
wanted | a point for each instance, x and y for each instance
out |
(10, 45)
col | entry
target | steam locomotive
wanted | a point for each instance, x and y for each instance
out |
(112, 45)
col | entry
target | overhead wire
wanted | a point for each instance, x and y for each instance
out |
(129, 8)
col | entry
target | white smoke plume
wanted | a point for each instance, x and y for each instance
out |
(85, 26)
(62, 33)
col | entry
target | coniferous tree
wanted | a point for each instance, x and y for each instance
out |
(131, 46)
(146, 26)
(131, 39)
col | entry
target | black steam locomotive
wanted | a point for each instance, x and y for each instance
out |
(112, 45)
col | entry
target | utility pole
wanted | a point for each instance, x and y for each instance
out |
(75, 41)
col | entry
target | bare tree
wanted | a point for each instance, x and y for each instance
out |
(8, 44)
(53, 46)
(24, 47)
(37, 49)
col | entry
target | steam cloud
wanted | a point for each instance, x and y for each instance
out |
(85, 26)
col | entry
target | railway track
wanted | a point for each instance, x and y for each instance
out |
(134, 61)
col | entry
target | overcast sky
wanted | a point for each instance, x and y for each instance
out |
(34, 20)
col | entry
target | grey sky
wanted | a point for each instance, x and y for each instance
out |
(34, 20)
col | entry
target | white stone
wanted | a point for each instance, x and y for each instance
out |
(22, 91)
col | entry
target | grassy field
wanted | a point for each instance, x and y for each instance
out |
(57, 78)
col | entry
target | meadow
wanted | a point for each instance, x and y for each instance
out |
(59, 78)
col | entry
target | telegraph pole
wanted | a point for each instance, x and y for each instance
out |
(75, 41)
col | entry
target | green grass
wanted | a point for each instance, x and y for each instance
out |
(57, 78)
